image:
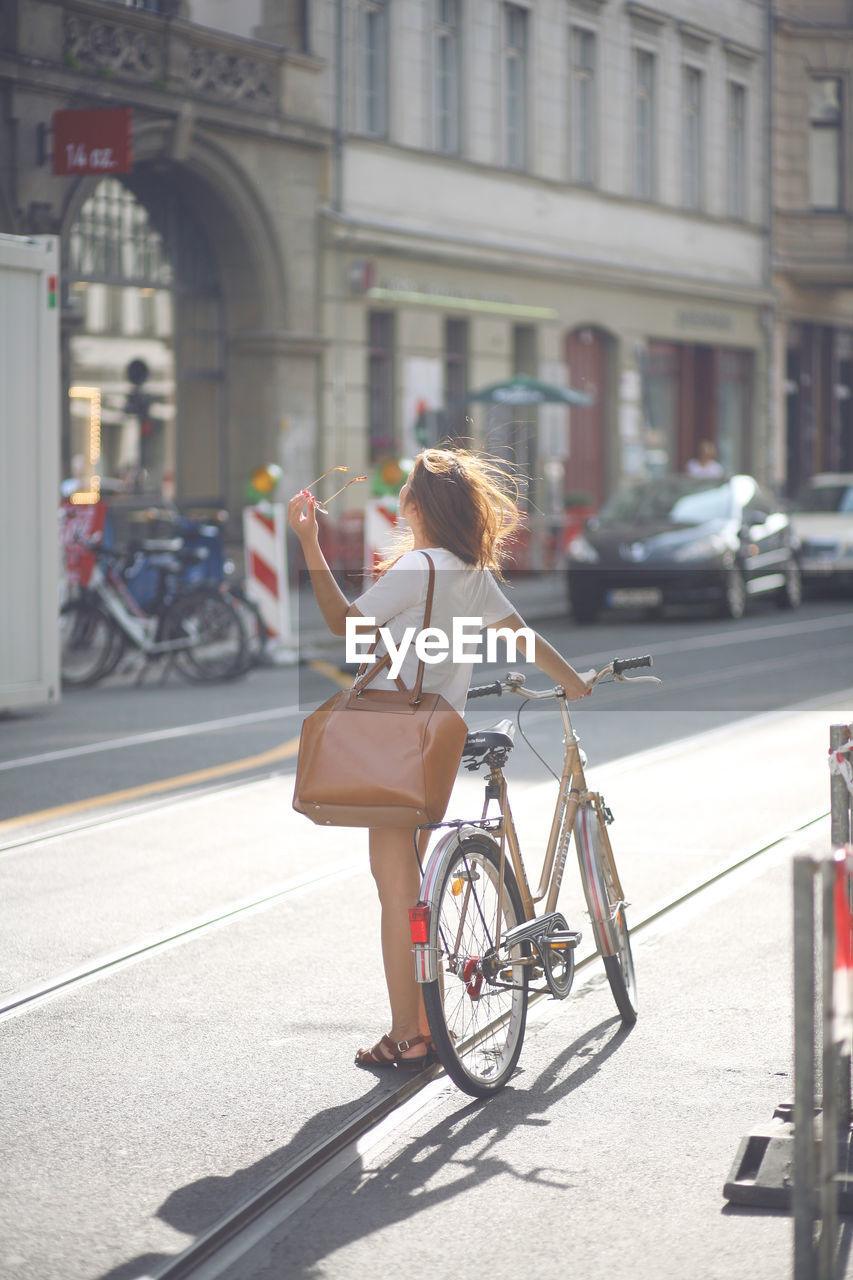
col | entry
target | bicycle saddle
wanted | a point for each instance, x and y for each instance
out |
(498, 736)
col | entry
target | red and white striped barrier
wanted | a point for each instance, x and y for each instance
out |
(265, 549)
(842, 976)
(380, 523)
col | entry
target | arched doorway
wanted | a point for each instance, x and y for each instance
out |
(586, 356)
(146, 328)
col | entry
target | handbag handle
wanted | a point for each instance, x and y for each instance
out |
(359, 684)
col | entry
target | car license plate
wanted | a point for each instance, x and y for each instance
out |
(635, 598)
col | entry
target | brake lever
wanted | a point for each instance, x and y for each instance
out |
(637, 679)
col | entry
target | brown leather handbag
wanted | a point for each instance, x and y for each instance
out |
(380, 757)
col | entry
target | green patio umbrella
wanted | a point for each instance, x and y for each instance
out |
(523, 390)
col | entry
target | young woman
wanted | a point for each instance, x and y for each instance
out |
(460, 508)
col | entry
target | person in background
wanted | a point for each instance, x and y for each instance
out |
(706, 465)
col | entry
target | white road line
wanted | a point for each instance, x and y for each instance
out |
(733, 635)
(155, 735)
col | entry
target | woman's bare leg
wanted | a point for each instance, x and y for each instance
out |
(398, 881)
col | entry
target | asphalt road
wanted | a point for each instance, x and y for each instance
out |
(121, 741)
(234, 966)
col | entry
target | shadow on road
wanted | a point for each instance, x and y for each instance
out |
(364, 1203)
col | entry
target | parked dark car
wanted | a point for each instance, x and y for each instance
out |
(678, 540)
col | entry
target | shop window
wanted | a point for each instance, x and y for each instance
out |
(373, 68)
(736, 149)
(583, 113)
(734, 402)
(691, 138)
(380, 384)
(141, 275)
(446, 73)
(514, 95)
(644, 124)
(825, 143)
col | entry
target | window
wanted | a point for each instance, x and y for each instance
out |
(583, 121)
(644, 123)
(373, 68)
(515, 85)
(380, 383)
(736, 149)
(446, 66)
(825, 129)
(455, 373)
(691, 138)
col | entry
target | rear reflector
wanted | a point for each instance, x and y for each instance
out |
(419, 923)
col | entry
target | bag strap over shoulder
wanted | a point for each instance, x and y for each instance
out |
(364, 678)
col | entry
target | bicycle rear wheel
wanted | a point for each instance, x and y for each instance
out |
(606, 909)
(87, 638)
(216, 641)
(477, 1005)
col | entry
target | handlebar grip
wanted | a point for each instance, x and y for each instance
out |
(485, 690)
(629, 664)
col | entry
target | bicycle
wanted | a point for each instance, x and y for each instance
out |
(477, 940)
(197, 628)
(210, 567)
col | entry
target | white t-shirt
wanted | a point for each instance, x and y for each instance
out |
(397, 600)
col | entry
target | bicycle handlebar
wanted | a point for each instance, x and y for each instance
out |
(628, 664)
(615, 670)
(484, 690)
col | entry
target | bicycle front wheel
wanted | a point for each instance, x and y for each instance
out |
(477, 1005)
(606, 909)
(215, 640)
(87, 638)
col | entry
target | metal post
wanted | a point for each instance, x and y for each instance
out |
(838, 793)
(829, 1143)
(805, 1257)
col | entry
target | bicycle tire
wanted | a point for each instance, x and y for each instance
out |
(257, 634)
(477, 1025)
(606, 909)
(86, 638)
(216, 648)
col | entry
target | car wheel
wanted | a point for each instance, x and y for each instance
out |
(791, 595)
(733, 604)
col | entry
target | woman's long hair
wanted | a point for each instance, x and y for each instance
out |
(468, 503)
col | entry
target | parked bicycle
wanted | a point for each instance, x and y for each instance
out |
(213, 567)
(197, 629)
(478, 942)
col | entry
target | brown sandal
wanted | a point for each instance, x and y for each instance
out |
(387, 1053)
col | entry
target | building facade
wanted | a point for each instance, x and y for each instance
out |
(344, 216)
(189, 294)
(573, 189)
(812, 226)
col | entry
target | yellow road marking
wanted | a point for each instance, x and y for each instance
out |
(284, 752)
(331, 672)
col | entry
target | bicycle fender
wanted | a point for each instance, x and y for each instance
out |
(426, 954)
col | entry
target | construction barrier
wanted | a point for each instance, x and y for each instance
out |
(77, 524)
(265, 550)
(380, 524)
(823, 1034)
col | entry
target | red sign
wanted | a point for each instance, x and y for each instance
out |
(92, 142)
(78, 523)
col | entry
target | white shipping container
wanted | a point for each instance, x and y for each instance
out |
(29, 471)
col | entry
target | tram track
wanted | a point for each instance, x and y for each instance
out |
(244, 1226)
(37, 994)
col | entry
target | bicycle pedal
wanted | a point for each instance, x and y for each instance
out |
(562, 941)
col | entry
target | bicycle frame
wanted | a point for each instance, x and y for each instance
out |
(137, 625)
(572, 795)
